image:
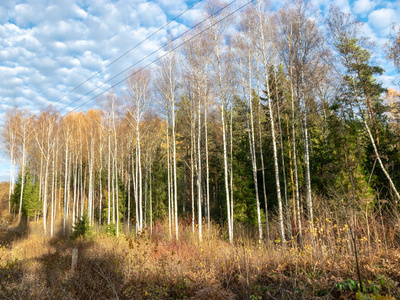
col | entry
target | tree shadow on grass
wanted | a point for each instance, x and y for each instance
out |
(94, 277)
(99, 275)
(49, 276)
(10, 234)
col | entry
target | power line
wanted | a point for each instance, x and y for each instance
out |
(154, 61)
(147, 56)
(122, 55)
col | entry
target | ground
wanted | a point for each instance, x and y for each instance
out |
(154, 266)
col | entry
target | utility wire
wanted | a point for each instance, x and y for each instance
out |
(165, 54)
(173, 49)
(122, 55)
(154, 61)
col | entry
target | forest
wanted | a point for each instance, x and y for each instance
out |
(261, 145)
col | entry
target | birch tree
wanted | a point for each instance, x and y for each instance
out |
(196, 65)
(139, 93)
(246, 66)
(363, 88)
(392, 47)
(167, 84)
(217, 33)
(9, 139)
(44, 135)
(23, 122)
(259, 36)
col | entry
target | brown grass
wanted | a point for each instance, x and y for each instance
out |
(152, 266)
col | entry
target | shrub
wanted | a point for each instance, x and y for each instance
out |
(111, 229)
(82, 228)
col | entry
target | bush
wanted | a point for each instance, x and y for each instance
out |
(82, 228)
(111, 229)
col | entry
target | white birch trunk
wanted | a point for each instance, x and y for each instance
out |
(263, 176)
(52, 201)
(253, 152)
(100, 182)
(136, 191)
(222, 99)
(231, 163)
(55, 183)
(75, 190)
(83, 192)
(90, 191)
(139, 166)
(199, 168)
(134, 187)
(41, 178)
(22, 179)
(207, 170)
(113, 189)
(308, 176)
(109, 181)
(68, 184)
(380, 161)
(116, 186)
(296, 177)
(151, 201)
(45, 197)
(283, 159)
(264, 61)
(169, 178)
(145, 186)
(65, 182)
(192, 168)
(12, 167)
(129, 194)
(174, 167)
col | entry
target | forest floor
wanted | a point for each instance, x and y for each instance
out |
(155, 266)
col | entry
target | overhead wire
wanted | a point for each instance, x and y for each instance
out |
(155, 51)
(122, 55)
(160, 57)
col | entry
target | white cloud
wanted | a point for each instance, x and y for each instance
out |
(65, 10)
(156, 18)
(362, 7)
(49, 47)
(64, 30)
(387, 80)
(172, 7)
(24, 15)
(46, 65)
(91, 61)
(193, 16)
(383, 18)
(344, 5)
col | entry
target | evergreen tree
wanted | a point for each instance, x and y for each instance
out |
(31, 204)
(361, 94)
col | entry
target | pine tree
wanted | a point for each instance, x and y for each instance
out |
(359, 86)
(30, 200)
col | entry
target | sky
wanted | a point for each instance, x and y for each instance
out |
(49, 47)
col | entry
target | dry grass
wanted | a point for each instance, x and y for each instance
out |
(152, 266)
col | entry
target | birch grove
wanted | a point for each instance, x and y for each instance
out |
(250, 122)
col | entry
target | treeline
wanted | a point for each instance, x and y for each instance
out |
(255, 115)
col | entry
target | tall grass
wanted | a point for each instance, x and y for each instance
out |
(153, 266)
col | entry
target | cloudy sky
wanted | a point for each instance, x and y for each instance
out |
(48, 47)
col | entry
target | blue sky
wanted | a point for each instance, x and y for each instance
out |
(48, 47)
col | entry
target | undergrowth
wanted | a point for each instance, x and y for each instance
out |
(151, 265)
(81, 228)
